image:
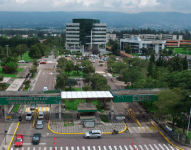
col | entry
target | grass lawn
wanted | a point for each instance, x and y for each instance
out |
(73, 89)
(25, 57)
(104, 118)
(72, 105)
(16, 107)
(181, 51)
(68, 123)
(27, 87)
(133, 54)
(10, 75)
(115, 75)
(33, 75)
(74, 74)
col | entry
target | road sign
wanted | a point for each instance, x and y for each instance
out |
(8, 117)
(30, 100)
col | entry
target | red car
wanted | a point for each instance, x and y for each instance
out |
(42, 62)
(19, 140)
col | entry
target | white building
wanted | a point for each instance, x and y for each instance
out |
(84, 34)
(154, 36)
(137, 43)
(110, 36)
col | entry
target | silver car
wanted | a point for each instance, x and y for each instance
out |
(93, 134)
(29, 115)
(40, 115)
(39, 124)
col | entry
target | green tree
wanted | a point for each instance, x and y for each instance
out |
(87, 79)
(21, 49)
(115, 48)
(76, 68)
(151, 66)
(117, 67)
(33, 69)
(88, 66)
(184, 63)
(132, 75)
(128, 49)
(99, 82)
(61, 82)
(61, 63)
(86, 88)
(69, 66)
(112, 57)
(176, 63)
(110, 62)
(35, 63)
(35, 52)
(71, 82)
(9, 65)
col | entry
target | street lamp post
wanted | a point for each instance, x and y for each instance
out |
(81, 75)
(7, 50)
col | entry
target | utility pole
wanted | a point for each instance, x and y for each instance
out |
(7, 50)
(81, 75)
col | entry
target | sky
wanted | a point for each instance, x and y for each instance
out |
(126, 6)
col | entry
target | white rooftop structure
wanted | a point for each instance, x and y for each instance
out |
(86, 94)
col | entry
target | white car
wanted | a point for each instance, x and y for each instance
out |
(21, 61)
(40, 115)
(29, 115)
(45, 89)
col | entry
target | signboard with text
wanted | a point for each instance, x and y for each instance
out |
(134, 98)
(29, 100)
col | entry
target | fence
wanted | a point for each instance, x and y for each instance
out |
(172, 132)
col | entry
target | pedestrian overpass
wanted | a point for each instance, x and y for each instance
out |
(56, 96)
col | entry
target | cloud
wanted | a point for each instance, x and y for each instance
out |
(128, 6)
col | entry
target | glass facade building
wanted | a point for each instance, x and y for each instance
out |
(84, 34)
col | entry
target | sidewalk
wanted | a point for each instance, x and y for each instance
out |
(10, 132)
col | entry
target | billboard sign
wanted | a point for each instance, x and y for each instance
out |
(29, 100)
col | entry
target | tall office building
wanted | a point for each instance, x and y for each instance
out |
(84, 34)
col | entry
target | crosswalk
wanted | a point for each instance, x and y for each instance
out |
(39, 109)
(119, 147)
(146, 129)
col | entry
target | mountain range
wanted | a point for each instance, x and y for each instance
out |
(167, 20)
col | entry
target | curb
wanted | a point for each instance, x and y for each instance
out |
(83, 133)
(165, 137)
(13, 135)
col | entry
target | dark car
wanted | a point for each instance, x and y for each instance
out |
(36, 138)
(27, 61)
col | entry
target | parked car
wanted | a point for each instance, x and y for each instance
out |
(36, 138)
(43, 62)
(32, 107)
(77, 58)
(28, 61)
(40, 115)
(39, 124)
(19, 140)
(29, 115)
(45, 89)
(21, 61)
(93, 134)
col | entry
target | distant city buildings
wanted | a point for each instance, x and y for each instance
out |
(84, 34)
(110, 36)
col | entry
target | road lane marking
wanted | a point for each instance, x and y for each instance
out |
(55, 148)
(50, 148)
(44, 148)
(146, 147)
(61, 148)
(130, 147)
(78, 148)
(110, 148)
(104, 147)
(89, 148)
(166, 147)
(125, 147)
(72, 148)
(161, 147)
(136, 147)
(149, 129)
(39, 148)
(99, 147)
(151, 147)
(115, 147)
(170, 146)
(141, 147)
(94, 148)
(22, 148)
(154, 128)
(83, 148)
(120, 147)
(156, 147)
